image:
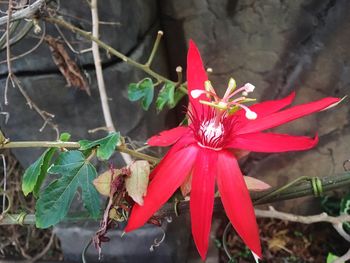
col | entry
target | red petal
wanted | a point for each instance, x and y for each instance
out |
(284, 116)
(236, 201)
(186, 140)
(202, 198)
(196, 76)
(168, 137)
(268, 107)
(272, 142)
(171, 172)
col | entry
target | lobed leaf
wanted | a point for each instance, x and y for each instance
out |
(143, 90)
(36, 173)
(56, 198)
(169, 96)
(105, 146)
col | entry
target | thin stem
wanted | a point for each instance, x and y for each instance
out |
(329, 183)
(44, 144)
(113, 51)
(74, 145)
(98, 68)
(8, 52)
(281, 189)
(137, 154)
(154, 49)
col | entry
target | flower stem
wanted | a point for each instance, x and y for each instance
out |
(154, 49)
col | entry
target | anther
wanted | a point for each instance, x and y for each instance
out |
(196, 93)
(249, 87)
(251, 115)
(231, 87)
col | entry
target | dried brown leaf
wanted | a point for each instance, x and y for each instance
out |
(66, 65)
(136, 184)
(103, 181)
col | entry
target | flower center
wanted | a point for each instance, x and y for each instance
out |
(211, 134)
(227, 103)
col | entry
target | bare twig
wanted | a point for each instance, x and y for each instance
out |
(323, 217)
(8, 53)
(30, 50)
(44, 251)
(340, 229)
(27, 12)
(4, 183)
(99, 75)
(47, 117)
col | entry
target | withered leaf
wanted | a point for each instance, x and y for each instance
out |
(254, 184)
(136, 184)
(102, 182)
(66, 65)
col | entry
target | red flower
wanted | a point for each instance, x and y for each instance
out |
(203, 150)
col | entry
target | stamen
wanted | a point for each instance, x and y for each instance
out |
(249, 87)
(251, 115)
(208, 86)
(231, 87)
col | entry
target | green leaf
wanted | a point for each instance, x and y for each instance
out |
(331, 257)
(165, 96)
(169, 96)
(177, 97)
(64, 137)
(144, 91)
(56, 198)
(106, 145)
(36, 173)
(345, 209)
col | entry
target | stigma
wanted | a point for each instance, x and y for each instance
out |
(228, 103)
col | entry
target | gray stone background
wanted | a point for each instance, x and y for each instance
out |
(277, 45)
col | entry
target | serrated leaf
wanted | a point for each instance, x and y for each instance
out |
(136, 184)
(36, 173)
(144, 91)
(56, 198)
(106, 145)
(102, 182)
